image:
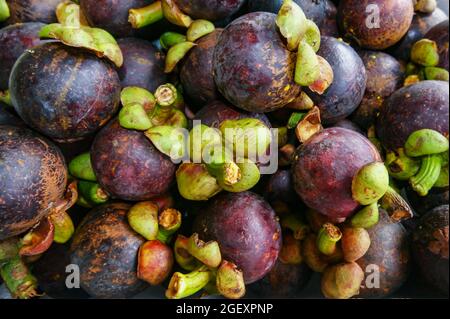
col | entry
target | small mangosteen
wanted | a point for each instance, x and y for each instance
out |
(128, 166)
(430, 248)
(32, 11)
(246, 228)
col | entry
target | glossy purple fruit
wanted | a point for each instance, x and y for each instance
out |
(246, 228)
(209, 9)
(439, 34)
(32, 11)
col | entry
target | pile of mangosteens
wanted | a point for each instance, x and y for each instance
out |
(234, 148)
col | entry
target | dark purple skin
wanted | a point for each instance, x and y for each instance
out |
(212, 10)
(439, 34)
(280, 188)
(63, 92)
(420, 25)
(33, 179)
(128, 166)
(324, 168)
(196, 72)
(252, 67)
(50, 271)
(143, 64)
(14, 40)
(349, 125)
(247, 230)
(436, 197)
(32, 11)
(423, 105)
(106, 248)
(390, 251)
(384, 76)
(430, 248)
(349, 84)
(7, 118)
(322, 12)
(216, 112)
(283, 281)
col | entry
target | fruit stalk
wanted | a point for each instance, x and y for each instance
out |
(327, 239)
(169, 223)
(182, 286)
(145, 16)
(18, 279)
(4, 10)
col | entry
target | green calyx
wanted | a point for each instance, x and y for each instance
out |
(428, 174)
(292, 22)
(68, 13)
(18, 279)
(174, 15)
(366, 218)
(207, 253)
(401, 166)
(143, 219)
(64, 227)
(294, 119)
(202, 139)
(426, 142)
(294, 223)
(4, 10)
(136, 95)
(327, 239)
(169, 140)
(195, 182)
(436, 74)
(176, 53)
(5, 97)
(230, 281)
(96, 40)
(250, 176)
(307, 69)
(183, 286)
(9, 249)
(145, 16)
(425, 52)
(395, 205)
(81, 167)
(370, 183)
(221, 165)
(169, 39)
(134, 117)
(198, 29)
(182, 255)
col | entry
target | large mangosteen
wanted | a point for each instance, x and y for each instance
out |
(14, 40)
(253, 68)
(105, 248)
(143, 64)
(423, 105)
(32, 11)
(430, 248)
(128, 166)
(212, 10)
(324, 168)
(63, 92)
(349, 84)
(247, 230)
(33, 179)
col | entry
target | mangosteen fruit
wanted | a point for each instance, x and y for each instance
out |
(375, 24)
(8, 118)
(65, 93)
(324, 167)
(32, 11)
(128, 166)
(349, 125)
(253, 69)
(439, 34)
(349, 84)
(430, 248)
(212, 10)
(143, 64)
(14, 40)
(387, 263)
(436, 197)
(423, 105)
(384, 77)
(105, 249)
(33, 179)
(247, 230)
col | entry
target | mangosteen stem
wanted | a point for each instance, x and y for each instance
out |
(166, 94)
(429, 173)
(397, 208)
(207, 253)
(4, 10)
(18, 279)
(169, 39)
(169, 223)
(182, 286)
(401, 166)
(5, 97)
(327, 238)
(145, 16)
(294, 223)
(93, 192)
(230, 281)
(182, 255)
(9, 249)
(295, 118)
(367, 217)
(199, 28)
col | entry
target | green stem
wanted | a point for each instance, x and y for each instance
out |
(207, 253)
(295, 119)
(222, 167)
(401, 166)
(18, 279)
(429, 173)
(327, 239)
(145, 16)
(169, 224)
(5, 97)
(182, 286)
(81, 167)
(9, 248)
(4, 10)
(92, 192)
(169, 39)
(166, 94)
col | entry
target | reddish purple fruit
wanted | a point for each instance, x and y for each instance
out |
(246, 228)
(439, 34)
(423, 105)
(105, 249)
(128, 166)
(209, 9)
(33, 178)
(430, 248)
(349, 84)
(64, 93)
(252, 67)
(32, 11)
(14, 40)
(324, 168)
(143, 64)
(196, 73)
